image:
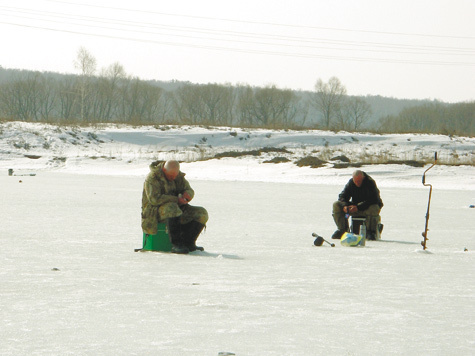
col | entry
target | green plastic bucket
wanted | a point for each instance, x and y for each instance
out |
(158, 242)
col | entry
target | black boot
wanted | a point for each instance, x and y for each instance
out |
(180, 249)
(370, 235)
(190, 233)
(338, 234)
(175, 232)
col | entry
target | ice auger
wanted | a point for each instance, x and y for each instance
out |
(424, 234)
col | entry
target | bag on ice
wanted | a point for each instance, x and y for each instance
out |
(350, 239)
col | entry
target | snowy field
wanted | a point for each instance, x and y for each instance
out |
(71, 283)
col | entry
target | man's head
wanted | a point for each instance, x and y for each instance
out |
(171, 169)
(358, 177)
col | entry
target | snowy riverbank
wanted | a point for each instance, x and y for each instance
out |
(126, 150)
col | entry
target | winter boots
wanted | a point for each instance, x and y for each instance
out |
(183, 236)
(338, 234)
(174, 231)
(190, 233)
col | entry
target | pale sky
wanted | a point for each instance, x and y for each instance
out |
(417, 49)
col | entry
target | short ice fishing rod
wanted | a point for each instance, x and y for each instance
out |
(319, 240)
(424, 234)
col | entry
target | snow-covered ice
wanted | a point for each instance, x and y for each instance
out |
(71, 282)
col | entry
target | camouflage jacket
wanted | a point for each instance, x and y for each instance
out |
(158, 191)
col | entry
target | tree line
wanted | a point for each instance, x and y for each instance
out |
(112, 96)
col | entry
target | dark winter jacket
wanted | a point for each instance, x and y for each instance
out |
(158, 191)
(363, 197)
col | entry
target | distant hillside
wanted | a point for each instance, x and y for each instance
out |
(383, 106)
(55, 97)
(380, 106)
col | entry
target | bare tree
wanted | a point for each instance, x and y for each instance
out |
(303, 110)
(86, 64)
(352, 113)
(19, 98)
(151, 102)
(462, 118)
(274, 107)
(140, 101)
(434, 117)
(245, 105)
(341, 121)
(188, 105)
(328, 98)
(358, 111)
(9, 100)
(47, 97)
(216, 102)
(67, 98)
(165, 107)
(285, 108)
(268, 106)
(108, 91)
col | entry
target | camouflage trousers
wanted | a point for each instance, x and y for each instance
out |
(371, 214)
(187, 213)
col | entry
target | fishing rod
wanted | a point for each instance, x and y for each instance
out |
(424, 234)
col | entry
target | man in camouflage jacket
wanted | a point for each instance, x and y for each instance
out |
(165, 198)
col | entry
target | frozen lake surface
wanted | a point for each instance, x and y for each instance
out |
(71, 283)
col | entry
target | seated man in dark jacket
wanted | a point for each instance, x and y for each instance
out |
(359, 198)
